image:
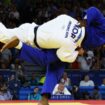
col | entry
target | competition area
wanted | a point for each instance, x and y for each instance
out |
(53, 102)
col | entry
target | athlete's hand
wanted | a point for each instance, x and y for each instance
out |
(81, 51)
(10, 44)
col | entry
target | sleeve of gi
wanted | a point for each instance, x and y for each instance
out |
(93, 15)
(65, 55)
(67, 52)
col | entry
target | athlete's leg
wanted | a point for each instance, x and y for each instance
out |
(34, 55)
(53, 75)
(6, 34)
(23, 32)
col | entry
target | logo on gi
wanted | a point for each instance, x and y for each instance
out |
(74, 31)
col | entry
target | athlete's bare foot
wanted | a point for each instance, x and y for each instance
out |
(44, 101)
(13, 42)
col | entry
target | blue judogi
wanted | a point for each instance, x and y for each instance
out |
(48, 58)
(95, 29)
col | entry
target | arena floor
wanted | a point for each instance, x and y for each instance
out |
(53, 103)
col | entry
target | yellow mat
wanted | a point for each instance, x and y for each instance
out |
(83, 102)
(73, 103)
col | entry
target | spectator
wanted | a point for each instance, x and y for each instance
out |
(14, 86)
(14, 14)
(5, 93)
(85, 61)
(2, 95)
(19, 71)
(33, 80)
(42, 80)
(103, 82)
(97, 62)
(96, 94)
(86, 81)
(90, 54)
(35, 95)
(65, 80)
(60, 89)
(6, 57)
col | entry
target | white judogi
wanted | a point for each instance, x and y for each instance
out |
(62, 33)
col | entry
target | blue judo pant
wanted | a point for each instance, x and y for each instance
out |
(48, 58)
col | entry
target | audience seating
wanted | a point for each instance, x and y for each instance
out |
(23, 94)
(75, 77)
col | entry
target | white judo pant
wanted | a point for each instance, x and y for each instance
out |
(24, 32)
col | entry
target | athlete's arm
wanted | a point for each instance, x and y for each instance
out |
(68, 51)
(93, 15)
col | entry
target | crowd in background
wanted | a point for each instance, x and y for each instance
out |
(15, 12)
(10, 88)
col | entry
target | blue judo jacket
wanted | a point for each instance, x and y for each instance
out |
(95, 29)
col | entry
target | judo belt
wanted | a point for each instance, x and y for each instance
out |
(35, 37)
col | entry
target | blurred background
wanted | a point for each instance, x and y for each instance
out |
(19, 80)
